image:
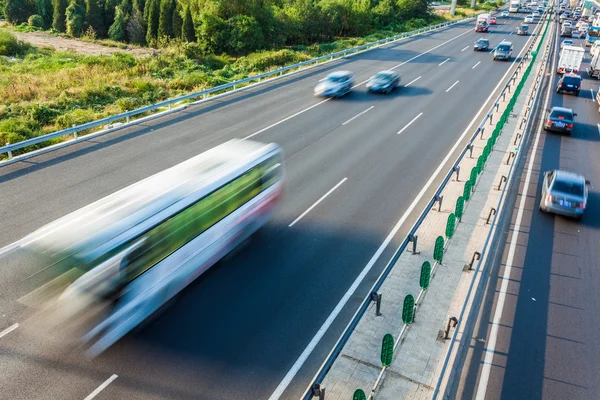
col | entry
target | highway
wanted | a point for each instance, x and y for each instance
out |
(546, 321)
(236, 332)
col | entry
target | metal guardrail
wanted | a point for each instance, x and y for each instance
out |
(9, 148)
(320, 376)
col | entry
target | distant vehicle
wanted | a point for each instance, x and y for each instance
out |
(483, 23)
(492, 20)
(116, 261)
(528, 19)
(384, 81)
(535, 14)
(566, 24)
(569, 83)
(567, 42)
(560, 119)
(336, 84)
(514, 6)
(481, 45)
(570, 59)
(504, 14)
(593, 69)
(564, 193)
(594, 48)
(584, 26)
(503, 51)
(578, 34)
(523, 30)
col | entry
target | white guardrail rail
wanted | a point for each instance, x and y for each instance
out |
(227, 88)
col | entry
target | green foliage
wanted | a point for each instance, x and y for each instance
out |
(213, 34)
(188, 32)
(245, 35)
(44, 9)
(75, 18)
(177, 21)
(94, 17)
(17, 11)
(10, 46)
(152, 14)
(36, 21)
(136, 29)
(110, 10)
(59, 15)
(117, 29)
(165, 21)
(264, 61)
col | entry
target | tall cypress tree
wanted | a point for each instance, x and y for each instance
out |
(44, 9)
(177, 21)
(165, 22)
(152, 11)
(188, 32)
(58, 16)
(136, 30)
(93, 17)
(117, 29)
(110, 9)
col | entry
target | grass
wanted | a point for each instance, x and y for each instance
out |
(45, 90)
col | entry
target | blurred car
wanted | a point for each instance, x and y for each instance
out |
(570, 83)
(528, 19)
(536, 14)
(481, 45)
(578, 34)
(336, 84)
(504, 14)
(503, 51)
(560, 119)
(566, 42)
(384, 81)
(522, 30)
(564, 193)
(584, 26)
(566, 23)
(492, 20)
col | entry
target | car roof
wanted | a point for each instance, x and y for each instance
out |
(339, 74)
(571, 75)
(563, 109)
(566, 176)
(506, 42)
(387, 72)
(484, 39)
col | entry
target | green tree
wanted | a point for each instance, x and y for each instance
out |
(110, 10)
(44, 9)
(75, 18)
(117, 29)
(177, 21)
(136, 29)
(213, 34)
(59, 15)
(165, 22)
(188, 32)
(94, 18)
(17, 11)
(152, 11)
(413, 8)
(245, 34)
(126, 6)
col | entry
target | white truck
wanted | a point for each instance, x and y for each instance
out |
(483, 23)
(514, 7)
(594, 69)
(570, 59)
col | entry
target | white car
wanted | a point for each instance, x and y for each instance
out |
(336, 84)
(504, 14)
(528, 19)
(566, 24)
(536, 14)
(584, 26)
(567, 42)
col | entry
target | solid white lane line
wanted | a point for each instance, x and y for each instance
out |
(454, 84)
(465, 48)
(413, 81)
(8, 330)
(475, 66)
(101, 387)
(430, 50)
(291, 374)
(410, 123)
(317, 202)
(358, 115)
(286, 119)
(445, 61)
(491, 345)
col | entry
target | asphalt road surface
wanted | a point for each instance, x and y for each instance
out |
(547, 344)
(237, 330)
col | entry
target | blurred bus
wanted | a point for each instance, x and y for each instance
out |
(108, 266)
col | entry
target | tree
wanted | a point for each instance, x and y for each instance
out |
(136, 29)
(44, 9)
(177, 21)
(59, 15)
(165, 22)
(413, 8)
(246, 34)
(117, 29)
(17, 11)
(153, 13)
(110, 10)
(188, 33)
(93, 17)
(75, 14)
(213, 34)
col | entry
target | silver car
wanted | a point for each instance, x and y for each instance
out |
(564, 193)
(336, 84)
(384, 81)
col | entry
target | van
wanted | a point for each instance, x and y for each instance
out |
(503, 51)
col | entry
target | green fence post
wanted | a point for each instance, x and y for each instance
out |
(359, 394)
(480, 164)
(473, 176)
(438, 250)
(387, 350)
(467, 190)
(460, 206)
(408, 309)
(450, 225)
(425, 275)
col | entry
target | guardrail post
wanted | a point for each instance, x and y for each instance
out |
(510, 155)
(75, 136)
(517, 138)
(376, 297)
(9, 152)
(444, 334)
(413, 239)
(470, 148)
(469, 266)
(491, 119)
(522, 122)
(492, 212)
(317, 390)
(127, 118)
(504, 96)
(438, 198)
(481, 133)
(456, 169)
(502, 180)
(497, 106)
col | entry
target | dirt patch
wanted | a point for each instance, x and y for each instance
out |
(42, 39)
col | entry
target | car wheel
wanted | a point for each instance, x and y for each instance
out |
(577, 93)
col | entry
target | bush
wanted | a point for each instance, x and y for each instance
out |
(266, 60)
(36, 21)
(10, 46)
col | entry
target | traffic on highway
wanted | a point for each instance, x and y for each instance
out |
(220, 252)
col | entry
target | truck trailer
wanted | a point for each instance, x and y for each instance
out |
(570, 59)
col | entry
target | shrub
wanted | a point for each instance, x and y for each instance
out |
(10, 46)
(265, 60)
(36, 21)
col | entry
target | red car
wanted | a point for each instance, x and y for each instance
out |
(492, 20)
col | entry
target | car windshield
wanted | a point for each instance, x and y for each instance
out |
(568, 42)
(503, 47)
(482, 41)
(524, 27)
(336, 78)
(574, 188)
(560, 114)
(382, 76)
